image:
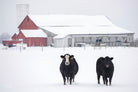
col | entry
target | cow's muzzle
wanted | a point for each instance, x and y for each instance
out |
(67, 63)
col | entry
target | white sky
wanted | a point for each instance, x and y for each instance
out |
(121, 12)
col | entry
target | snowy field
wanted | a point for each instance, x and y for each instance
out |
(37, 69)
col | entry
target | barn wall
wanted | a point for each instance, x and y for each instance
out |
(27, 23)
(35, 41)
(62, 42)
(67, 41)
(14, 37)
(91, 39)
(58, 42)
(32, 41)
(49, 41)
(20, 35)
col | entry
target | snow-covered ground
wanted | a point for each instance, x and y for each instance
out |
(36, 69)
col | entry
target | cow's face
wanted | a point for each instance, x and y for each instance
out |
(107, 61)
(67, 58)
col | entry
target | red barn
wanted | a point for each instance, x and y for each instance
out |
(14, 37)
(33, 37)
(30, 34)
(27, 23)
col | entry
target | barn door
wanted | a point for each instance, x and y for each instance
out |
(69, 42)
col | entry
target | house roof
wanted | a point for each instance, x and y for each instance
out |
(34, 33)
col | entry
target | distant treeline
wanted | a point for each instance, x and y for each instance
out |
(4, 36)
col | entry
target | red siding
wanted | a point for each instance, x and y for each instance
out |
(35, 41)
(20, 35)
(14, 37)
(27, 24)
(32, 41)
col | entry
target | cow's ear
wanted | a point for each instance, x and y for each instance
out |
(111, 58)
(72, 57)
(62, 57)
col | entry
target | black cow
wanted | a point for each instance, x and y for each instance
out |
(68, 68)
(105, 68)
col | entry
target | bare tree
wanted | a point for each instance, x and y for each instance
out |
(4, 36)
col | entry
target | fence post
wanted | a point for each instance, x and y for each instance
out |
(42, 48)
(20, 48)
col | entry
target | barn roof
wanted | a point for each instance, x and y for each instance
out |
(34, 33)
(63, 25)
(69, 20)
(64, 31)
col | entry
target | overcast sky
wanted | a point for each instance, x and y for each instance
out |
(123, 13)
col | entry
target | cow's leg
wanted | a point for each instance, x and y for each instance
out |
(70, 80)
(110, 80)
(71, 77)
(104, 79)
(67, 79)
(98, 78)
(64, 79)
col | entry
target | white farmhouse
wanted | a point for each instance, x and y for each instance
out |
(79, 30)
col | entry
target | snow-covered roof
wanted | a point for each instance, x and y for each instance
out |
(69, 20)
(63, 25)
(34, 33)
(64, 31)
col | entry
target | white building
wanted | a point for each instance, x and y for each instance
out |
(78, 30)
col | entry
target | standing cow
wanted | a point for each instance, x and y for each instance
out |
(68, 68)
(105, 68)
